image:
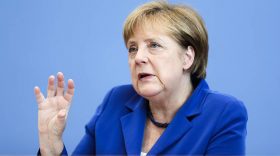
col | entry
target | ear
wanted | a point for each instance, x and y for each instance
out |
(189, 55)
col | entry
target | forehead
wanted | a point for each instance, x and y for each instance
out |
(148, 31)
(147, 23)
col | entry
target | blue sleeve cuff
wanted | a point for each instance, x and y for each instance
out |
(63, 153)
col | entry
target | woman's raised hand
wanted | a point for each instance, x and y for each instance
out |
(52, 114)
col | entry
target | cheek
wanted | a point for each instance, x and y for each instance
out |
(132, 71)
(163, 68)
(168, 71)
(131, 67)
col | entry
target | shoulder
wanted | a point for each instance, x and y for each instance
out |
(220, 101)
(225, 110)
(227, 117)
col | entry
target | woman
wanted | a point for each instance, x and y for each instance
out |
(169, 109)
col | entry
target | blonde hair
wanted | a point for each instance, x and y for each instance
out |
(181, 22)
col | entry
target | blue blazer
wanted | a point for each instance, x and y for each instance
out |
(209, 123)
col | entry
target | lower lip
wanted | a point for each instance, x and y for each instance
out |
(146, 78)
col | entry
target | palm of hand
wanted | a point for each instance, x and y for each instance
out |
(52, 111)
(48, 114)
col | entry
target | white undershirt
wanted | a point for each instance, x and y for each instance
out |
(143, 154)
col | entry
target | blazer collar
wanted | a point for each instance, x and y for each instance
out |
(134, 102)
(193, 105)
(133, 123)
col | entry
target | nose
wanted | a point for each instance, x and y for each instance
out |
(141, 56)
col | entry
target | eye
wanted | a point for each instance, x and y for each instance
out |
(132, 49)
(154, 45)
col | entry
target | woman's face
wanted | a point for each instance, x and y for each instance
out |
(156, 62)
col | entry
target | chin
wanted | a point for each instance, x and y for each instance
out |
(149, 90)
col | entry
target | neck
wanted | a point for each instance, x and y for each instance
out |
(164, 107)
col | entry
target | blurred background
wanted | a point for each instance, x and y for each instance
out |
(83, 39)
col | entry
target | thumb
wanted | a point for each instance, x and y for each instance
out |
(61, 115)
(60, 122)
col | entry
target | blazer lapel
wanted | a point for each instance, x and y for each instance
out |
(175, 130)
(133, 125)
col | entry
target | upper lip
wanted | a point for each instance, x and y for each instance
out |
(141, 75)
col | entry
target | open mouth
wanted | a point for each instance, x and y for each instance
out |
(144, 75)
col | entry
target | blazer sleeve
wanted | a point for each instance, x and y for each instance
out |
(87, 143)
(230, 132)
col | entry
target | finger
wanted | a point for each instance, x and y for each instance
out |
(39, 96)
(60, 84)
(70, 91)
(51, 87)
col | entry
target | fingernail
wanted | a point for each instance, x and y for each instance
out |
(59, 73)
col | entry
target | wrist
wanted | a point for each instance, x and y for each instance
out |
(50, 145)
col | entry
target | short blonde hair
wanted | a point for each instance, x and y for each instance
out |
(182, 23)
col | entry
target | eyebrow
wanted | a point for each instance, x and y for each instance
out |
(130, 42)
(146, 40)
(153, 39)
